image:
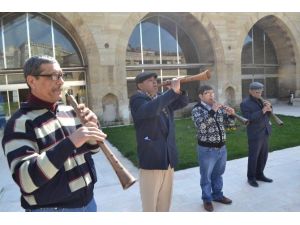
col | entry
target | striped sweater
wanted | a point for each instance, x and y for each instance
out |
(48, 168)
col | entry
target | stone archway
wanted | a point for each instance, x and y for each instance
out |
(202, 33)
(76, 24)
(281, 37)
(278, 30)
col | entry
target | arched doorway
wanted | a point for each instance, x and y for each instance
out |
(268, 57)
(230, 96)
(110, 109)
(164, 43)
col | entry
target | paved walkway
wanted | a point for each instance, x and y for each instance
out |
(281, 195)
(285, 109)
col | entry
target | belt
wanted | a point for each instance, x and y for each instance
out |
(211, 145)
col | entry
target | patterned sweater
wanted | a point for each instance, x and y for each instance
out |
(210, 125)
(45, 164)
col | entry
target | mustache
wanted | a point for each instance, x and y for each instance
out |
(58, 89)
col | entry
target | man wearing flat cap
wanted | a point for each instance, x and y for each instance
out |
(257, 111)
(153, 117)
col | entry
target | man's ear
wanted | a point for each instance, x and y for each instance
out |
(30, 81)
(139, 86)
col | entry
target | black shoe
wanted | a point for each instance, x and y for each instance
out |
(208, 206)
(253, 183)
(224, 200)
(264, 179)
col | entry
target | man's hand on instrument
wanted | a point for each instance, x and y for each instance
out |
(175, 85)
(267, 103)
(86, 115)
(229, 110)
(267, 108)
(216, 106)
(87, 134)
(92, 124)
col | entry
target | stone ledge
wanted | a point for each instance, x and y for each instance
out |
(296, 102)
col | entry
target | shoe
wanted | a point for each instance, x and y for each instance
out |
(264, 179)
(208, 206)
(224, 200)
(253, 183)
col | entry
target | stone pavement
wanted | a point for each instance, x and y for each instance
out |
(281, 195)
(283, 108)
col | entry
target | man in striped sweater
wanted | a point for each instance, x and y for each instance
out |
(47, 148)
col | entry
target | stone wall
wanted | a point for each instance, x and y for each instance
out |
(103, 39)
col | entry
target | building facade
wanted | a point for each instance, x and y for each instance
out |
(102, 52)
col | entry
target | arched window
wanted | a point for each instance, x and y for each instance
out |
(259, 62)
(27, 34)
(159, 44)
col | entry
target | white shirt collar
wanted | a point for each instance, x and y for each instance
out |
(206, 105)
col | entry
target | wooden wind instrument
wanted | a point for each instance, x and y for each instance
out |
(205, 75)
(278, 121)
(125, 178)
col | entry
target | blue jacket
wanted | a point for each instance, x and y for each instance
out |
(259, 123)
(155, 132)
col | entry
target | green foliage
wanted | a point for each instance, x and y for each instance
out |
(282, 137)
(14, 106)
(123, 138)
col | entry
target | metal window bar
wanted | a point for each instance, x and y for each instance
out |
(28, 35)
(177, 49)
(168, 66)
(160, 56)
(53, 40)
(65, 69)
(141, 41)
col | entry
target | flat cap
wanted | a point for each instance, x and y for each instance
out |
(256, 86)
(144, 76)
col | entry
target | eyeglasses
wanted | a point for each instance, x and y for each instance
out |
(53, 76)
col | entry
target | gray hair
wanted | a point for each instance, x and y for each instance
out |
(32, 65)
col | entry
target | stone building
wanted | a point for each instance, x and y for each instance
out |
(102, 52)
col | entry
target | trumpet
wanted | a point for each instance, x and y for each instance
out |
(278, 121)
(242, 119)
(125, 178)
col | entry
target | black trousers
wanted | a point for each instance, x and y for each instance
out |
(257, 157)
